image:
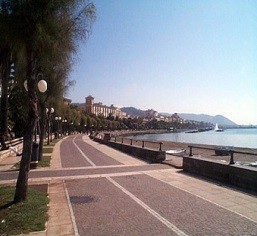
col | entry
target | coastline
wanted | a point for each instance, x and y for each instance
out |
(125, 133)
(169, 145)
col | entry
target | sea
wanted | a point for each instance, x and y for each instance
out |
(245, 138)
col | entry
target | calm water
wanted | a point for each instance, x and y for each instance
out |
(230, 137)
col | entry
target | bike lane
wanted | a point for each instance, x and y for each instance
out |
(70, 155)
(75, 152)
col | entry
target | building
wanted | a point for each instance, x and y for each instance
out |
(66, 101)
(151, 114)
(100, 109)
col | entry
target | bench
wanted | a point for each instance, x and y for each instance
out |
(15, 144)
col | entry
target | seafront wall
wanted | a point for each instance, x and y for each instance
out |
(240, 176)
(125, 133)
(149, 155)
(204, 161)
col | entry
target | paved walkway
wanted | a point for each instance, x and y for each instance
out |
(96, 190)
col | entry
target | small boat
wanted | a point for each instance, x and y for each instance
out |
(223, 151)
(192, 131)
(217, 129)
(177, 152)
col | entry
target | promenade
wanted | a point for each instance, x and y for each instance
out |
(96, 190)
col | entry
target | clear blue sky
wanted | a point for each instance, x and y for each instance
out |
(172, 56)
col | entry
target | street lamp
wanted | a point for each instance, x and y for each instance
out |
(42, 87)
(64, 126)
(58, 120)
(49, 112)
(71, 128)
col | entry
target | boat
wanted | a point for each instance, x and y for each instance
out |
(217, 129)
(192, 131)
(177, 152)
(223, 150)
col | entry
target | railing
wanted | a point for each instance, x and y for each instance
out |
(133, 141)
(225, 150)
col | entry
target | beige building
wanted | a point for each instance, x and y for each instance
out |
(66, 101)
(150, 113)
(100, 109)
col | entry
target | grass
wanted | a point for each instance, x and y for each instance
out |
(54, 141)
(48, 149)
(28, 216)
(45, 161)
(24, 217)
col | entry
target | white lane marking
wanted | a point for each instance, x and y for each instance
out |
(150, 210)
(98, 167)
(74, 177)
(71, 211)
(82, 153)
(91, 167)
(196, 195)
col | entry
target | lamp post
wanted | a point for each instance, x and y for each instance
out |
(49, 112)
(78, 128)
(42, 87)
(70, 128)
(64, 126)
(58, 120)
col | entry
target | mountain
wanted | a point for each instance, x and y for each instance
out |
(221, 120)
(132, 111)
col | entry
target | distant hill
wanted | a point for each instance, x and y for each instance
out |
(132, 111)
(221, 120)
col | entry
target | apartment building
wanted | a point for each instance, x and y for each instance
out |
(100, 109)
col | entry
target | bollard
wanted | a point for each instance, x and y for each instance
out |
(143, 144)
(131, 141)
(231, 158)
(191, 149)
(160, 146)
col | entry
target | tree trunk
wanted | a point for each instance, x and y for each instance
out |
(22, 181)
(5, 55)
(42, 124)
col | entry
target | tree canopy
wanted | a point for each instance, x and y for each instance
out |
(41, 36)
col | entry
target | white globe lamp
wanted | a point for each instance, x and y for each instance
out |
(42, 86)
(25, 84)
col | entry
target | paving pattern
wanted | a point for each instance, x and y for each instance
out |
(100, 208)
(188, 212)
(70, 155)
(95, 190)
(138, 204)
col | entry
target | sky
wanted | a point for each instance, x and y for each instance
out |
(172, 56)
